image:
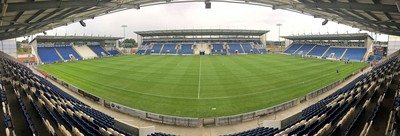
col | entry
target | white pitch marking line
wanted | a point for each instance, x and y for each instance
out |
(198, 88)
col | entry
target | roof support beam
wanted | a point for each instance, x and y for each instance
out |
(342, 5)
(41, 5)
(3, 10)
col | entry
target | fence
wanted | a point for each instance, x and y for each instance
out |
(194, 122)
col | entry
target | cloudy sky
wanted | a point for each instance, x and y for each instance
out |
(194, 15)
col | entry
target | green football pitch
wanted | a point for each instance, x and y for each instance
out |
(201, 86)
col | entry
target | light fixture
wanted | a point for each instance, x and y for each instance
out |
(325, 22)
(82, 23)
(208, 4)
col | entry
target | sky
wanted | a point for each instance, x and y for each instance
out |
(195, 16)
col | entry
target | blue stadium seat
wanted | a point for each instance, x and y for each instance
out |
(247, 48)
(263, 51)
(355, 54)
(157, 48)
(233, 47)
(303, 50)
(114, 52)
(318, 50)
(218, 49)
(185, 49)
(170, 48)
(48, 54)
(140, 51)
(338, 52)
(292, 48)
(66, 51)
(98, 50)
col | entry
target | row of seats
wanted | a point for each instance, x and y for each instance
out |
(183, 49)
(68, 53)
(99, 50)
(326, 51)
(326, 116)
(59, 112)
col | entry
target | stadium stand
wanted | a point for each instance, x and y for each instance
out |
(354, 54)
(66, 51)
(114, 52)
(170, 48)
(303, 50)
(84, 51)
(235, 47)
(156, 48)
(334, 52)
(185, 49)
(45, 108)
(318, 50)
(293, 48)
(218, 49)
(141, 51)
(247, 48)
(262, 51)
(345, 111)
(98, 50)
(48, 55)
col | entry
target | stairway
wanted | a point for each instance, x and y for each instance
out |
(343, 54)
(162, 47)
(243, 49)
(311, 49)
(325, 52)
(59, 55)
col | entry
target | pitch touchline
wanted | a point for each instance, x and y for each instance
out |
(198, 88)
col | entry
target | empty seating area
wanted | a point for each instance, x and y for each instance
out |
(233, 47)
(33, 106)
(156, 48)
(318, 50)
(189, 49)
(303, 50)
(348, 111)
(326, 51)
(98, 50)
(48, 55)
(263, 51)
(140, 51)
(185, 49)
(169, 48)
(66, 51)
(114, 52)
(293, 48)
(218, 49)
(354, 54)
(334, 52)
(247, 48)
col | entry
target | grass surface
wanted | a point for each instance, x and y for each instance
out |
(190, 86)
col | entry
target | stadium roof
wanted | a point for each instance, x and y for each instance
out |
(356, 36)
(72, 38)
(201, 32)
(26, 17)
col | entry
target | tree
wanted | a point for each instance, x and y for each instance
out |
(129, 43)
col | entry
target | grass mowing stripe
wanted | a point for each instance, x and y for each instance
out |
(198, 90)
(190, 86)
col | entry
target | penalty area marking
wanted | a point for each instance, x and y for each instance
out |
(198, 88)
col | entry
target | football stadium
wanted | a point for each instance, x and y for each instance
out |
(198, 82)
